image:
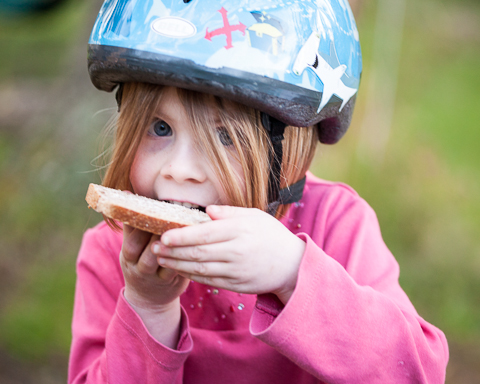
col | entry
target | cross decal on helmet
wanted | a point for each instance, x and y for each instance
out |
(226, 30)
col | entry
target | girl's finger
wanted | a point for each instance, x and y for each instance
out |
(223, 227)
(205, 233)
(219, 282)
(218, 212)
(166, 274)
(134, 242)
(215, 252)
(147, 263)
(192, 268)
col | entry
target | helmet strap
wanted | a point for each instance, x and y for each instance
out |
(277, 196)
(293, 193)
(288, 195)
(118, 95)
(275, 129)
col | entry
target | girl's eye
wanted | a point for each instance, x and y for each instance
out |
(161, 128)
(224, 137)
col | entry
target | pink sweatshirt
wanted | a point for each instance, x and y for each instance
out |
(348, 320)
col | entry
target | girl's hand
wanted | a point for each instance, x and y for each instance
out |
(243, 250)
(152, 291)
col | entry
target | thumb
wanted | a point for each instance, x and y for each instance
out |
(217, 212)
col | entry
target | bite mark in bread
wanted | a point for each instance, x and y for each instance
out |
(141, 212)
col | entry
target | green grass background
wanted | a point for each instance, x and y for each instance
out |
(423, 180)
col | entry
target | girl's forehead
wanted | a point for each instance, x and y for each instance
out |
(176, 100)
(169, 99)
(177, 105)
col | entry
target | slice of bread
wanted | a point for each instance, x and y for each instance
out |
(141, 212)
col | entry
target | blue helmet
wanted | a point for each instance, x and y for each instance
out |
(298, 61)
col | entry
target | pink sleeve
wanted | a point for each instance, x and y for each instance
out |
(348, 320)
(109, 341)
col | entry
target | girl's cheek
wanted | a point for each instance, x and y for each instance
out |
(141, 170)
(239, 174)
(152, 144)
(136, 179)
(150, 152)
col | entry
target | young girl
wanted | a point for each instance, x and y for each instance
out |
(291, 281)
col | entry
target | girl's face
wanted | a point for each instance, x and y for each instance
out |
(170, 165)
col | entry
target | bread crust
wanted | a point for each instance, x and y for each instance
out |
(128, 216)
(92, 197)
(140, 221)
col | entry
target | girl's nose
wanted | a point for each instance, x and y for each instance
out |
(184, 164)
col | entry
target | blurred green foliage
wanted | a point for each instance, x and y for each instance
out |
(424, 184)
(37, 321)
(44, 173)
(37, 44)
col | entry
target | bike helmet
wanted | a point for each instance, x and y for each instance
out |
(298, 62)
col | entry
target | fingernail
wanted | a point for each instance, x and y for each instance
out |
(156, 248)
(165, 240)
(214, 208)
(161, 261)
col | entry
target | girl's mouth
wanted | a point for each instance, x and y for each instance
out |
(187, 205)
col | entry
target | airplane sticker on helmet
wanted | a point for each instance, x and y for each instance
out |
(309, 58)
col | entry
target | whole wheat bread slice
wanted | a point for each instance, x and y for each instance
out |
(141, 212)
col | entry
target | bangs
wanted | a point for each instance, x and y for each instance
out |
(229, 131)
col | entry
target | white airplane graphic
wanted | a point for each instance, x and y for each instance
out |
(308, 57)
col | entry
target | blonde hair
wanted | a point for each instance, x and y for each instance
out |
(243, 126)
